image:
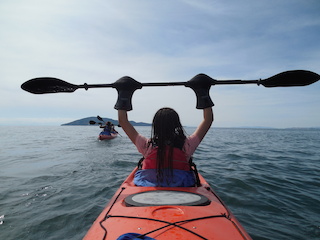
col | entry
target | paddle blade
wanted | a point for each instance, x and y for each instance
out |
(291, 79)
(48, 85)
(100, 118)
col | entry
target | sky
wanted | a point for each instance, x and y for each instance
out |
(100, 41)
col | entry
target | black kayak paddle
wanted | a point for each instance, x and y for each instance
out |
(101, 119)
(291, 78)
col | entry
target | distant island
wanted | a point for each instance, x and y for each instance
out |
(85, 122)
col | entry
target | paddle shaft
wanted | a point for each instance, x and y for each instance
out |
(164, 84)
(216, 82)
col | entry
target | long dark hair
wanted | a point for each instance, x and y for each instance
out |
(167, 133)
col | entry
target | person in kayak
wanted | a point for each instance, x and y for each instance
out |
(107, 128)
(168, 151)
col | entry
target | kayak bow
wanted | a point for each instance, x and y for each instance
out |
(166, 213)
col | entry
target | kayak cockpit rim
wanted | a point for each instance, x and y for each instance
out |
(165, 198)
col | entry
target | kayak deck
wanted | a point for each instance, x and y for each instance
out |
(166, 213)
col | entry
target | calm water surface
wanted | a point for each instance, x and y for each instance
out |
(56, 180)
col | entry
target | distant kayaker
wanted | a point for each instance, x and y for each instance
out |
(168, 151)
(108, 128)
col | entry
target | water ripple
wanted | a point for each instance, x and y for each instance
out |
(54, 188)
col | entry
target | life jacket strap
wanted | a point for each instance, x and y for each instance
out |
(193, 167)
(140, 163)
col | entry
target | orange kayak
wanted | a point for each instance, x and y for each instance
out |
(105, 136)
(166, 213)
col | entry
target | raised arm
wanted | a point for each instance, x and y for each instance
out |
(126, 125)
(206, 123)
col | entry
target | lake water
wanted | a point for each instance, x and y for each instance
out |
(56, 180)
